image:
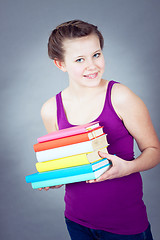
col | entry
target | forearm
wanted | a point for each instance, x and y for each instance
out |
(148, 159)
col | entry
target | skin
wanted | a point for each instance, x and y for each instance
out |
(84, 63)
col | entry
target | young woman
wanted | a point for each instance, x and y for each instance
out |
(110, 207)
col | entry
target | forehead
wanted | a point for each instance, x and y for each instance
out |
(81, 46)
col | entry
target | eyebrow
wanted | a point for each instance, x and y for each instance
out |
(92, 53)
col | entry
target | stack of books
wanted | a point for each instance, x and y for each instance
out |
(69, 155)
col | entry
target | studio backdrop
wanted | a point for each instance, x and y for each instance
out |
(28, 78)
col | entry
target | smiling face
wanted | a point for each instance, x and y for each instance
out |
(83, 60)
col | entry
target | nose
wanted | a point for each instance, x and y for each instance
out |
(90, 65)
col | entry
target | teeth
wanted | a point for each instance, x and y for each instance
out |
(91, 75)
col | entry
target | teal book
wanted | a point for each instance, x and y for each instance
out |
(71, 179)
(65, 172)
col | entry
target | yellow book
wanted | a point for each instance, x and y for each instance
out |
(71, 161)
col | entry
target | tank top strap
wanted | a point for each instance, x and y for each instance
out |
(61, 116)
(109, 89)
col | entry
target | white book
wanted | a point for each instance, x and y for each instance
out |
(73, 149)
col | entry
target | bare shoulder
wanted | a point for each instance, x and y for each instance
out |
(125, 100)
(121, 93)
(48, 114)
(134, 115)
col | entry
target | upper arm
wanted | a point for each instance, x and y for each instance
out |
(135, 116)
(49, 116)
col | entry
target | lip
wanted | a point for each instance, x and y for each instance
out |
(91, 75)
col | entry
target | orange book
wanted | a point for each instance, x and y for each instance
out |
(83, 137)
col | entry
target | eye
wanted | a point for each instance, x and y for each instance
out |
(80, 60)
(96, 55)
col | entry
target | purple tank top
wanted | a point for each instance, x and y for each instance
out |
(113, 205)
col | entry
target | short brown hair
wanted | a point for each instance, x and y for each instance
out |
(69, 30)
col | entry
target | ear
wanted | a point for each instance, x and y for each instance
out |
(60, 65)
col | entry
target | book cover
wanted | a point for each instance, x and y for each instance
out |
(73, 149)
(60, 142)
(70, 179)
(70, 161)
(65, 172)
(68, 131)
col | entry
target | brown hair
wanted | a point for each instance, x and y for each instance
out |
(70, 30)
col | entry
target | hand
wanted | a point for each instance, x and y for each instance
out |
(53, 187)
(119, 168)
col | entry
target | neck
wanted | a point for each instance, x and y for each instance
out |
(78, 91)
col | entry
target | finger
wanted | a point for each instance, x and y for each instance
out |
(110, 157)
(109, 174)
(106, 175)
(103, 178)
(58, 186)
(103, 155)
(91, 181)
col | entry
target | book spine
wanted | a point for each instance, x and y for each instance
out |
(66, 162)
(83, 137)
(66, 180)
(61, 152)
(61, 142)
(64, 172)
(70, 179)
(68, 132)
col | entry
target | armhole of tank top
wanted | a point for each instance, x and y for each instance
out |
(58, 109)
(61, 112)
(57, 127)
(110, 98)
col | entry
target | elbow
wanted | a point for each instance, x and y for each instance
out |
(156, 154)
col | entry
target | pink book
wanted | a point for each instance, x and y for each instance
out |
(68, 132)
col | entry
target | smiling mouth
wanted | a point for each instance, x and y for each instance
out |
(91, 76)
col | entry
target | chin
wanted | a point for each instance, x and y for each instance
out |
(92, 82)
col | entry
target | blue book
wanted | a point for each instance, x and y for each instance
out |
(71, 179)
(65, 172)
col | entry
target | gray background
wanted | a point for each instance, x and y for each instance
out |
(131, 29)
